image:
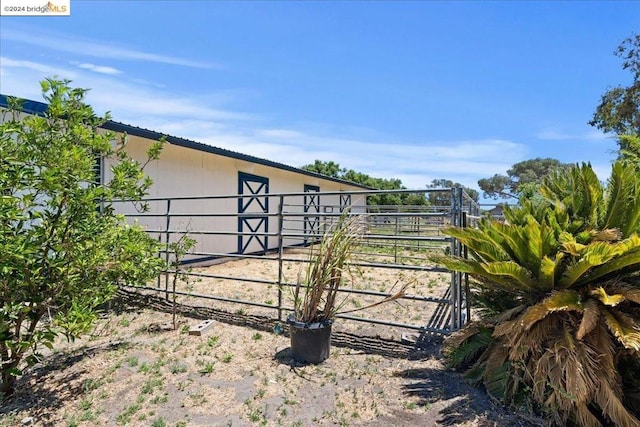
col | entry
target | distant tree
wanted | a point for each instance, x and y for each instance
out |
(379, 184)
(334, 170)
(629, 149)
(523, 178)
(329, 168)
(414, 199)
(444, 198)
(619, 108)
(60, 255)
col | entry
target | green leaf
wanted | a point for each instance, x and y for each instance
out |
(550, 270)
(595, 254)
(623, 209)
(513, 271)
(628, 257)
(14, 372)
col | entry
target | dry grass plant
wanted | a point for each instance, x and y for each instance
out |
(329, 268)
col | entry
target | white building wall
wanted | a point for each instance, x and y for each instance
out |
(186, 172)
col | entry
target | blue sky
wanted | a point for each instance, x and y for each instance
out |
(409, 90)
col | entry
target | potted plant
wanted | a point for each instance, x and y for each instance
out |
(316, 299)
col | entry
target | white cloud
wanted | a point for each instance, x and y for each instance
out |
(34, 66)
(127, 100)
(148, 106)
(100, 69)
(557, 135)
(278, 133)
(96, 49)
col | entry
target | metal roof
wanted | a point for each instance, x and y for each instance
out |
(39, 108)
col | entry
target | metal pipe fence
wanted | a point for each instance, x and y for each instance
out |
(252, 248)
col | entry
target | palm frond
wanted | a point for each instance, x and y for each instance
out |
(506, 328)
(509, 314)
(594, 255)
(506, 275)
(584, 417)
(608, 235)
(496, 371)
(609, 399)
(464, 347)
(623, 207)
(590, 317)
(570, 244)
(579, 191)
(605, 298)
(628, 255)
(525, 344)
(567, 374)
(629, 292)
(592, 194)
(479, 242)
(558, 301)
(550, 270)
(493, 301)
(624, 329)
(509, 238)
(513, 271)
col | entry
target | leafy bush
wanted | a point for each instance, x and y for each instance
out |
(559, 282)
(64, 250)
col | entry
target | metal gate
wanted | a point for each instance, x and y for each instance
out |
(396, 238)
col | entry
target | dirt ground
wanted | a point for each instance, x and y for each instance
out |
(135, 369)
(255, 280)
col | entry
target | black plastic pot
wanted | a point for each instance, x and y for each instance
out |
(310, 342)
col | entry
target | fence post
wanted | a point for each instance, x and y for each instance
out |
(467, 292)
(395, 242)
(167, 237)
(280, 254)
(456, 277)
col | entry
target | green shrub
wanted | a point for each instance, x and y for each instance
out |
(64, 250)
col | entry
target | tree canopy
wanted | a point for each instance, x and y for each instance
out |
(521, 179)
(329, 168)
(333, 169)
(629, 151)
(444, 199)
(619, 108)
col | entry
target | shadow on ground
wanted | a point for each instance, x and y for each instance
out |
(461, 401)
(44, 400)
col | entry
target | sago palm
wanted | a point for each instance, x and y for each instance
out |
(559, 282)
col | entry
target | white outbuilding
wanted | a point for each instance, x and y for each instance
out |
(228, 201)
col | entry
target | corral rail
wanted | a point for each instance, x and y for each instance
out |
(251, 248)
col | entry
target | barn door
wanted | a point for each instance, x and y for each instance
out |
(345, 201)
(252, 213)
(311, 205)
